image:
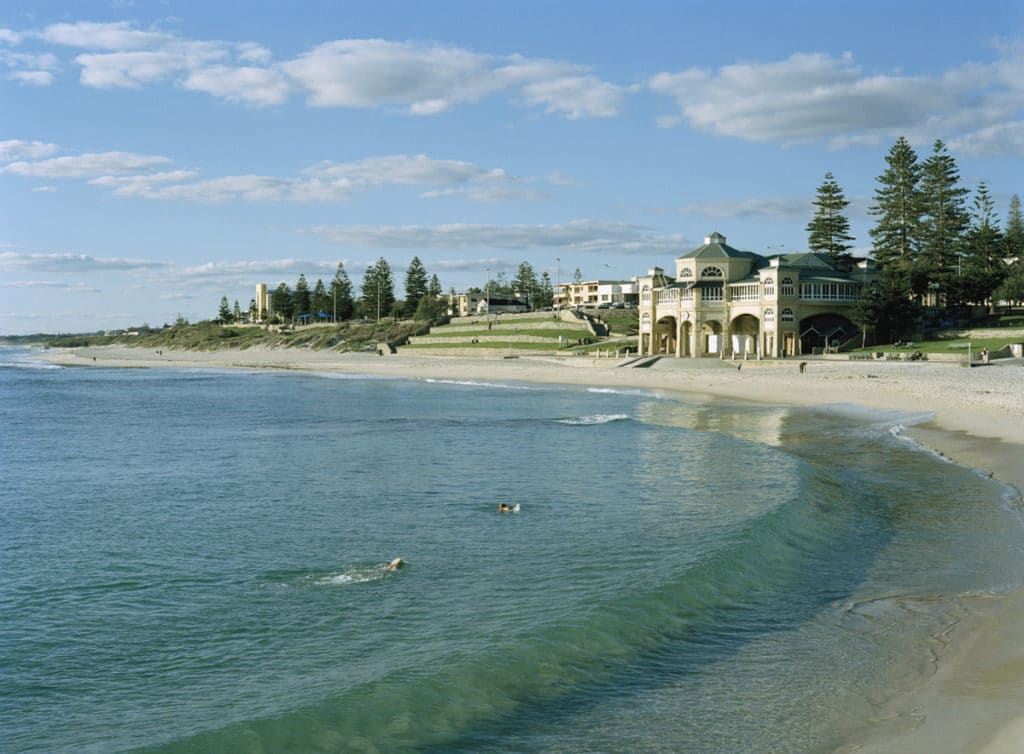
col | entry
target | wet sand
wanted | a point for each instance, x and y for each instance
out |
(973, 416)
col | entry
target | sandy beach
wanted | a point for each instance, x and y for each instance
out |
(972, 416)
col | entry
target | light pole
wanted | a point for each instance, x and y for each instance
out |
(487, 293)
(558, 284)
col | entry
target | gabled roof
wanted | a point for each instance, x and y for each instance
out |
(715, 247)
(805, 259)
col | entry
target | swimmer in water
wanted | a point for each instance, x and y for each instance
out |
(395, 565)
(506, 508)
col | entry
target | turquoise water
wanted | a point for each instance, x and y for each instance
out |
(193, 561)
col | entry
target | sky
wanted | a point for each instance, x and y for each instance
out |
(157, 155)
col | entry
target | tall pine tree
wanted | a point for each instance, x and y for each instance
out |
(944, 219)
(547, 291)
(431, 306)
(342, 301)
(281, 302)
(829, 230)
(1014, 231)
(320, 302)
(378, 289)
(896, 234)
(300, 298)
(525, 283)
(982, 269)
(415, 285)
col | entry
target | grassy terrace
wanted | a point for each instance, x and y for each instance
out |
(540, 331)
(958, 345)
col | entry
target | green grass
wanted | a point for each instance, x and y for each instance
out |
(441, 332)
(515, 345)
(943, 346)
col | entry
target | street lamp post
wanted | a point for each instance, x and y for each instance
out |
(558, 285)
(487, 293)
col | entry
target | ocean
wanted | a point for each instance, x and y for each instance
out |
(193, 561)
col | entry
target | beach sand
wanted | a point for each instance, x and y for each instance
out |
(973, 416)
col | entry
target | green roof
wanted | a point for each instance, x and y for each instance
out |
(715, 247)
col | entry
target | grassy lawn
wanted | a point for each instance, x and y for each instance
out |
(492, 345)
(565, 332)
(943, 346)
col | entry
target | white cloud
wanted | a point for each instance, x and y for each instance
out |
(11, 37)
(86, 165)
(16, 149)
(133, 175)
(376, 72)
(788, 208)
(34, 70)
(577, 97)
(32, 78)
(579, 235)
(11, 261)
(422, 79)
(487, 194)
(812, 96)
(408, 170)
(128, 69)
(141, 185)
(254, 86)
(103, 36)
(805, 97)
(75, 287)
(999, 140)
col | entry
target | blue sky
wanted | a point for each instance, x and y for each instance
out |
(155, 156)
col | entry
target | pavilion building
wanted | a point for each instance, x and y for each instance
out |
(740, 304)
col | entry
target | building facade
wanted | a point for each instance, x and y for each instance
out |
(593, 293)
(731, 303)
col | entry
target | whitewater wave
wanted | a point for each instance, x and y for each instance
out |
(478, 383)
(28, 364)
(625, 391)
(593, 419)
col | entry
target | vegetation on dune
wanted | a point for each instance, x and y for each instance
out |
(209, 336)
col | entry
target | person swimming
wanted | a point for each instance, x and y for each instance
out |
(395, 565)
(506, 508)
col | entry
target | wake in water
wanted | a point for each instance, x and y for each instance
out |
(357, 574)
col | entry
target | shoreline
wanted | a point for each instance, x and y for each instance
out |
(971, 416)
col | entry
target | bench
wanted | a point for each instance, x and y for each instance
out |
(861, 356)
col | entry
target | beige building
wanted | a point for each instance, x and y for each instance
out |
(732, 303)
(262, 302)
(593, 293)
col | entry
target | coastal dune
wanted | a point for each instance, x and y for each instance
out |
(972, 416)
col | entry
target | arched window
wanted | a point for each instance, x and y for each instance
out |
(645, 294)
(769, 316)
(787, 315)
(685, 273)
(769, 288)
(712, 272)
(787, 286)
(645, 322)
